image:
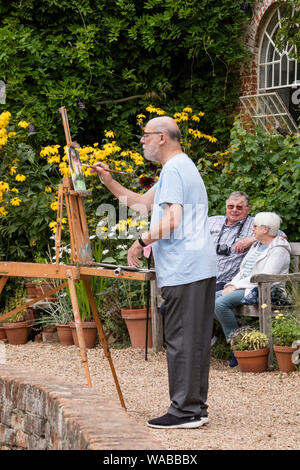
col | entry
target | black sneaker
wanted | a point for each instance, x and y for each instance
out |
(169, 421)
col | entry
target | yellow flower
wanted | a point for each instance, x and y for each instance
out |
(23, 124)
(53, 159)
(4, 186)
(20, 177)
(152, 109)
(188, 109)
(50, 150)
(264, 306)
(12, 170)
(15, 201)
(195, 118)
(54, 205)
(14, 190)
(48, 189)
(53, 225)
(4, 118)
(3, 211)
(11, 134)
(109, 134)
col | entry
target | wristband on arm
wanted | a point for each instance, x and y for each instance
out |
(141, 242)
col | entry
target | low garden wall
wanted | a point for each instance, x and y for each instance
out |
(42, 413)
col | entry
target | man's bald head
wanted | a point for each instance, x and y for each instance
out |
(166, 125)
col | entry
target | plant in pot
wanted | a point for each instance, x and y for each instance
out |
(251, 349)
(285, 331)
(89, 326)
(16, 326)
(58, 315)
(133, 303)
(134, 312)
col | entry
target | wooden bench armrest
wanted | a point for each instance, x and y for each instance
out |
(259, 278)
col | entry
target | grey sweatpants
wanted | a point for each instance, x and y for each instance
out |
(188, 324)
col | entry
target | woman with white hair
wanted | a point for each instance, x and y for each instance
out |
(270, 254)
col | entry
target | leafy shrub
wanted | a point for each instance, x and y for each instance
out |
(286, 329)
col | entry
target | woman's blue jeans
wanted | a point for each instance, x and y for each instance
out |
(223, 310)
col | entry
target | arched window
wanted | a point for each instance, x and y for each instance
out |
(278, 71)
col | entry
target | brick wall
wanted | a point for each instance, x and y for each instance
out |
(249, 74)
(42, 413)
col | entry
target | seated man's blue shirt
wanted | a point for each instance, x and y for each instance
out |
(187, 254)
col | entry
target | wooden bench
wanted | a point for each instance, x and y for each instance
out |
(264, 282)
(264, 291)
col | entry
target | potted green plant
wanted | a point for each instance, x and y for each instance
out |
(251, 349)
(89, 326)
(285, 331)
(134, 312)
(16, 326)
(133, 302)
(57, 315)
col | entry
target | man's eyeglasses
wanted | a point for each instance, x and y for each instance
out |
(148, 133)
(238, 208)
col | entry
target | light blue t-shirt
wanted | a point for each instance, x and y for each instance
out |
(188, 254)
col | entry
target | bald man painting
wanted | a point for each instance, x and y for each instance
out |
(185, 264)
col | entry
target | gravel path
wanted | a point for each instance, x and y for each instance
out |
(247, 411)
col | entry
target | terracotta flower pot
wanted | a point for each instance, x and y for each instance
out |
(2, 333)
(49, 334)
(89, 329)
(136, 324)
(31, 290)
(46, 287)
(284, 357)
(253, 361)
(65, 335)
(17, 333)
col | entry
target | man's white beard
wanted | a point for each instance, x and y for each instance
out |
(152, 152)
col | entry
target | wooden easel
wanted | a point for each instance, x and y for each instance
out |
(82, 267)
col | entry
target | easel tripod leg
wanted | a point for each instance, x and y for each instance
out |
(103, 339)
(3, 281)
(78, 325)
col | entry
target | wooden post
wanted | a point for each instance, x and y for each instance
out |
(103, 339)
(265, 315)
(156, 318)
(78, 325)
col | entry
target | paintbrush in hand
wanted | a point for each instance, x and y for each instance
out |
(110, 171)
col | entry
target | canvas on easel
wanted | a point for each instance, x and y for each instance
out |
(75, 168)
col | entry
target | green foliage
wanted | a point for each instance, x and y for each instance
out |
(131, 293)
(266, 167)
(246, 338)
(289, 32)
(87, 55)
(286, 328)
(25, 203)
(14, 301)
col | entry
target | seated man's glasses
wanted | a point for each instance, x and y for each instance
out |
(238, 208)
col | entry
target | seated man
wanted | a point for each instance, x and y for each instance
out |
(233, 236)
(270, 254)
